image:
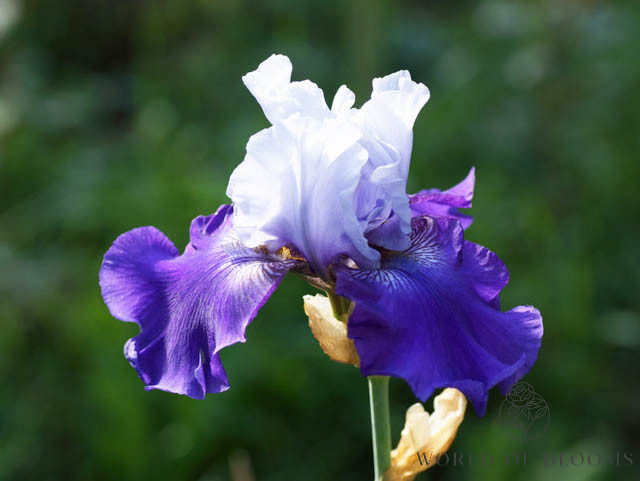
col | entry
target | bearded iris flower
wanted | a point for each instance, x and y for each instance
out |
(322, 192)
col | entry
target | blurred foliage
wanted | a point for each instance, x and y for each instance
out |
(120, 114)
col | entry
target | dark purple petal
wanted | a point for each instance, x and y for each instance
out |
(435, 203)
(188, 307)
(429, 316)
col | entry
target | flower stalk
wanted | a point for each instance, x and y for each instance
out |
(378, 402)
(341, 306)
(380, 425)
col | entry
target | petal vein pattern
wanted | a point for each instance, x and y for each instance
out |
(430, 315)
(188, 306)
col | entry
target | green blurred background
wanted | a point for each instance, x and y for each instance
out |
(116, 114)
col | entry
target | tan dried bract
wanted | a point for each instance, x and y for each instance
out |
(330, 332)
(428, 434)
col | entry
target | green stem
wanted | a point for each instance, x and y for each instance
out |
(380, 425)
(341, 306)
(378, 401)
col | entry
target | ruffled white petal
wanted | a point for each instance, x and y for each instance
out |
(374, 200)
(343, 101)
(280, 98)
(297, 185)
(402, 95)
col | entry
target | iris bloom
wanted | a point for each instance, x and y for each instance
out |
(322, 192)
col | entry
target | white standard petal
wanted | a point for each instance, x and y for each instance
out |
(280, 98)
(387, 123)
(389, 115)
(343, 101)
(298, 185)
(402, 95)
(379, 202)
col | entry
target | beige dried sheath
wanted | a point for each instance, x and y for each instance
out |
(330, 332)
(426, 433)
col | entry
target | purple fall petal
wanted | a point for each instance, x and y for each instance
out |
(435, 203)
(429, 316)
(188, 307)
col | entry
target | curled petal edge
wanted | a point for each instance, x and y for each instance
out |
(425, 435)
(188, 306)
(443, 204)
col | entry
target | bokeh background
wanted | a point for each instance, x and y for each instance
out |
(116, 114)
